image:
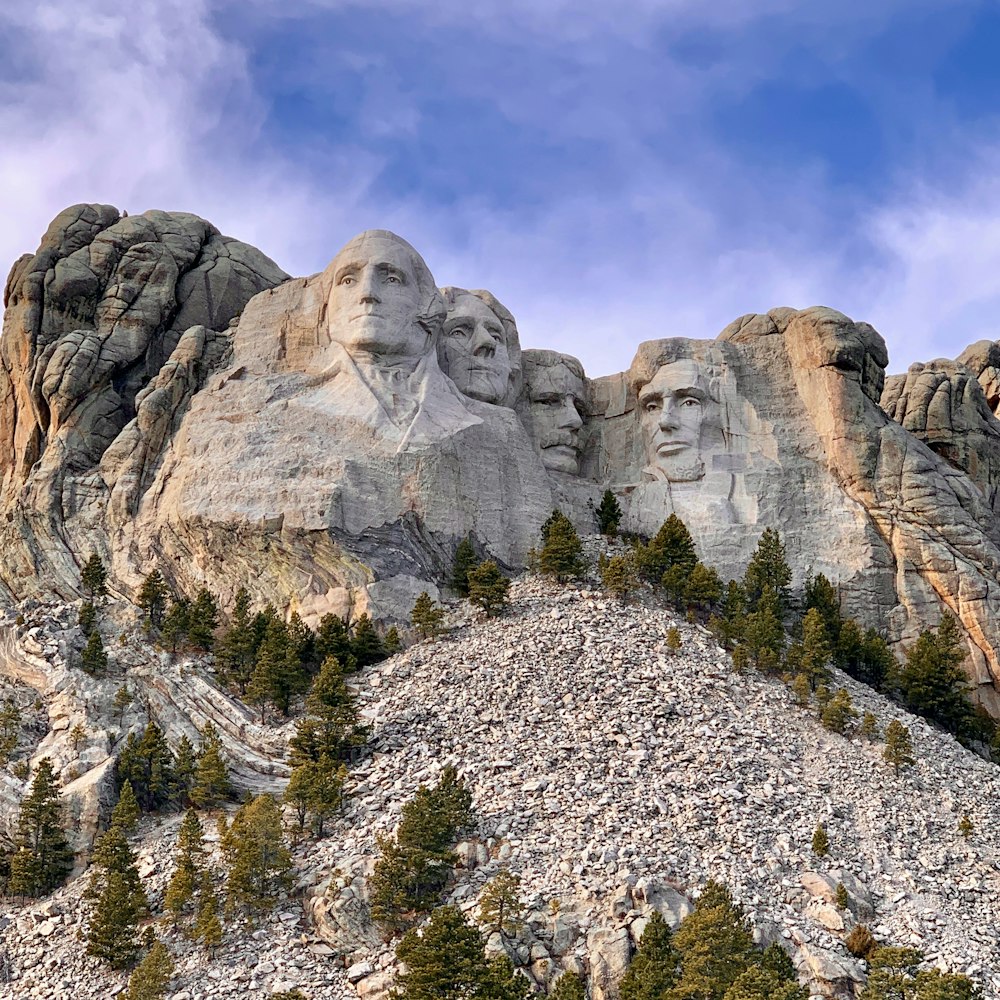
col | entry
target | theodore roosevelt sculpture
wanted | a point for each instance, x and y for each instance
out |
(553, 407)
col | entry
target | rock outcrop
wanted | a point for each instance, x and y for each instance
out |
(168, 398)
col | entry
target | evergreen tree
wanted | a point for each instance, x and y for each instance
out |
(316, 789)
(801, 690)
(861, 942)
(42, 858)
(898, 746)
(203, 620)
(728, 624)
(366, 643)
(10, 729)
(932, 682)
(152, 975)
(464, 563)
(820, 841)
(277, 675)
(211, 784)
(258, 860)
(147, 764)
(702, 589)
(768, 570)
(331, 726)
(392, 642)
(236, 650)
(126, 811)
(758, 983)
(607, 514)
(618, 576)
(187, 876)
(445, 962)
(426, 616)
(893, 973)
(94, 576)
(865, 656)
(821, 596)
(87, 618)
(654, 969)
(763, 635)
(503, 981)
(208, 926)
(841, 897)
(965, 827)
(488, 588)
(303, 641)
(715, 944)
(672, 546)
(333, 638)
(500, 906)
(153, 598)
(123, 700)
(176, 623)
(569, 986)
(815, 648)
(775, 959)
(839, 713)
(869, 727)
(185, 762)
(93, 659)
(561, 554)
(673, 638)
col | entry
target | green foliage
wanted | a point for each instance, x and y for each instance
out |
(607, 514)
(427, 616)
(815, 655)
(147, 764)
(94, 576)
(333, 638)
(768, 571)
(176, 623)
(801, 690)
(728, 624)
(366, 643)
(569, 986)
(203, 620)
(488, 588)
(126, 811)
(187, 876)
(763, 635)
(464, 563)
(331, 726)
(445, 962)
(758, 983)
(561, 554)
(932, 682)
(672, 546)
(152, 598)
(500, 906)
(869, 727)
(820, 841)
(42, 858)
(210, 785)
(123, 700)
(842, 898)
(703, 589)
(208, 926)
(277, 674)
(673, 638)
(898, 746)
(185, 762)
(965, 827)
(93, 659)
(316, 789)
(715, 945)
(152, 975)
(839, 712)
(256, 855)
(618, 576)
(413, 868)
(654, 969)
(236, 650)
(87, 618)
(392, 642)
(10, 729)
(865, 656)
(821, 596)
(893, 975)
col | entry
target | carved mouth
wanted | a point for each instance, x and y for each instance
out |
(569, 450)
(672, 447)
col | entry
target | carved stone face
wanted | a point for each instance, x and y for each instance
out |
(673, 407)
(556, 401)
(473, 350)
(375, 298)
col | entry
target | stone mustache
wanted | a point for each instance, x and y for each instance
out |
(170, 397)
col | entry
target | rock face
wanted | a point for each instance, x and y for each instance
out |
(318, 453)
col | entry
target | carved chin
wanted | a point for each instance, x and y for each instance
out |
(680, 471)
(485, 388)
(561, 458)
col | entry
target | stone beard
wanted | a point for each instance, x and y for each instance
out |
(556, 403)
(673, 407)
(472, 349)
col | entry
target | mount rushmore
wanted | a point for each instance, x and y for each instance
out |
(170, 397)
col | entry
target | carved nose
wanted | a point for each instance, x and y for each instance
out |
(571, 416)
(483, 346)
(668, 418)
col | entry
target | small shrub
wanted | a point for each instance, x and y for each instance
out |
(820, 841)
(861, 942)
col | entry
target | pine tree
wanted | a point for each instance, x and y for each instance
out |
(618, 576)
(303, 641)
(152, 975)
(277, 675)
(211, 784)
(147, 764)
(87, 618)
(203, 620)
(464, 563)
(569, 986)
(10, 729)
(333, 638)
(208, 926)
(654, 969)
(123, 700)
(561, 555)
(671, 546)
(758, 983)
(126, 812)
(426, 616)
(768, 570)
(188, 858)
(821, 596)
(763, 635)
(839, 712)
(153, 598)
(820, 841)
(898, 746)
(366, 643)
(185, 762)
(702, 589)
(94, 576)
(715, 944)
(236, 650)
(965, 827)
(815, 648)
(316, 789)
(607, 514)
(392, 642)
(488, 588)
(258, 860)
(445, 962)
(42, 858)
(500, 907)
(93, 659)
(932, 682)
(176, 623)
(869, 727)
(801, 690)
(861, 942)
(841, 897)
(673, 638)
(893, 972)
(331, 726)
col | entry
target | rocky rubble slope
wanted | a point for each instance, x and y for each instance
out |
(613, 776)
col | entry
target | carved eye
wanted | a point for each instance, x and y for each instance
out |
(652, 406)
(691, 401)
(347, 279)
(392, 279)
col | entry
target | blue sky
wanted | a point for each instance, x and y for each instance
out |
(613, 173)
